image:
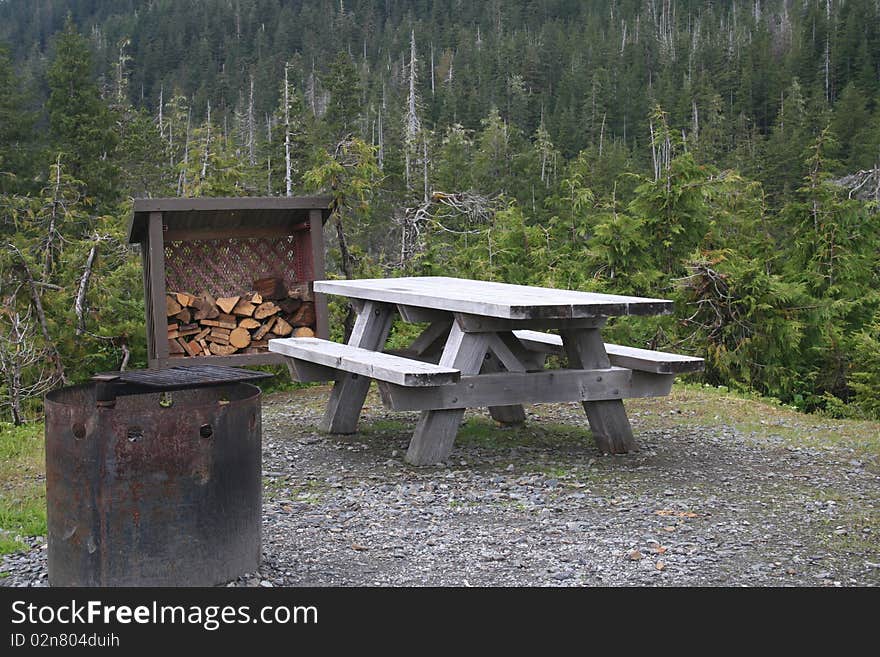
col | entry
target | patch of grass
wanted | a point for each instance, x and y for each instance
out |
(384, 426)
(860, 519)
(483, 432)
(856, 539)
(709, 406)
(22, 485)
(312, 492)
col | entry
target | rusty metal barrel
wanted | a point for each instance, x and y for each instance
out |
(153, 489)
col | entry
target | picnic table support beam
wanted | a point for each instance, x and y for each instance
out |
(512, 415)
(430, 342)
(435, 432)
(347, 398)
(608, 421)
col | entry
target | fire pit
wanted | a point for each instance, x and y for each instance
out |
(153, 478)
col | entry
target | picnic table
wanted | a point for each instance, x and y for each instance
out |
(485, 345)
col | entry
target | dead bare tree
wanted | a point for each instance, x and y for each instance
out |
(412, 123)
(57, 212)
(436, 213)
(36, 301)
(22, 362)
(863, 185)
(207, 154)
(251, 127)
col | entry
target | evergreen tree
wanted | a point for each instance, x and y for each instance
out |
(16, 129)
(81, 124)
(345, 104)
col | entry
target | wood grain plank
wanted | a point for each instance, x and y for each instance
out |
(508, 414)
(491, 299)
(646, 360)
(370, 331)
(608, 422)
(435, 432)
(365, 362)
(157, 284)
(550, 386)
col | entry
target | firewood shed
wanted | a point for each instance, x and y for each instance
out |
(222, 276)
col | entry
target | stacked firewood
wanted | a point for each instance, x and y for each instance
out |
(201, 325)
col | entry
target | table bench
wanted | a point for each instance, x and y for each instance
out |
(480, 348)
(644, 360)
(314, 359)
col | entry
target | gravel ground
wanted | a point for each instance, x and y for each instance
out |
(539, 506)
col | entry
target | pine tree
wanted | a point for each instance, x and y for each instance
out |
(80, 123)
(345, 97)
(16, 133)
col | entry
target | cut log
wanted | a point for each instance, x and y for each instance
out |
(300, 291)
(249, 323)
(264, 329)
(188, 348)
(244, 309)
(305, 316)
(289, 306)
(171, 305)
(265, 309)
(185, 299)
(206, 308)
(202, 325)
(219, 323)
(240, 338)
(282, 328)
(270, 288)
(185, 333)
(226, 304)
(222, 350)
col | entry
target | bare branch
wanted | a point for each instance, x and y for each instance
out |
(41, 315)
(79, 304)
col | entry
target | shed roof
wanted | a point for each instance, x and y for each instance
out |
(225, 212)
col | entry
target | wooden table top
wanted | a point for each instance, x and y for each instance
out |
(490, 299)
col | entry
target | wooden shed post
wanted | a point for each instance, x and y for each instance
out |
(155, 300)
(316, 229)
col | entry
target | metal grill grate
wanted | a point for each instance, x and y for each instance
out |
(190, 377)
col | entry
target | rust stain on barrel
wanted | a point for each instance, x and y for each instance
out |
(151, 499)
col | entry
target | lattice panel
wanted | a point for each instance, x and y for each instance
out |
(228, 267)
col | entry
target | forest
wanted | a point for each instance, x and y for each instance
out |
(724, 154)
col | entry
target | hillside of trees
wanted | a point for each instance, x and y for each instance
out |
(724, 154)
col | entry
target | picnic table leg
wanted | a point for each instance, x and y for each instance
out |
(435, 432)
(507, 415)
(608, 422)
(350, 390)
